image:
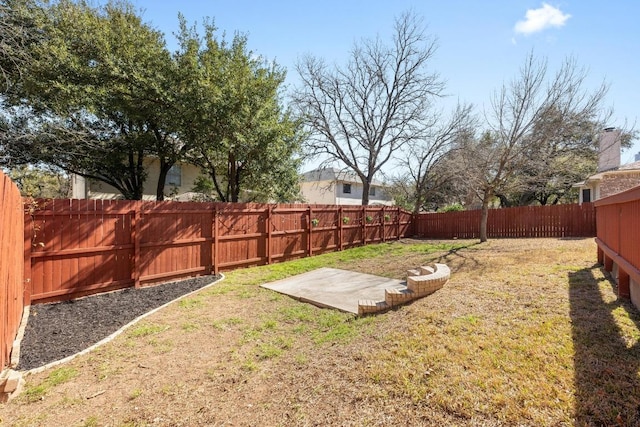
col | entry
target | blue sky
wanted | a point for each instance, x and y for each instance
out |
(481, 43)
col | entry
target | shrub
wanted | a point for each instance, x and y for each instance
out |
(454, 207)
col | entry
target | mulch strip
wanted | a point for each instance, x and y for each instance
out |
(58, 330)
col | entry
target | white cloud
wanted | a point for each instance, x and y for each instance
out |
(540, 19)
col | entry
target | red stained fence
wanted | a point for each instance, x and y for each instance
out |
(618, 236)
(12, 260)
(526, 221)
(79, 247)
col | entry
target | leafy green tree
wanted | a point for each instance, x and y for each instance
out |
(238, 131)
(102, 94)
(18, 32)
(39, 182)
(557, 161)
(98, 94)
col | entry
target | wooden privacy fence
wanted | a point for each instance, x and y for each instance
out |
(526, 221)
(12, 261)
(80, 247)
(618, 239)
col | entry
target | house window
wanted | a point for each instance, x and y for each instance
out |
(174, 176)
(586, 195)
(372, 191)
(346, 188)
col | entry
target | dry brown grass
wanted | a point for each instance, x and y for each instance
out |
(527, 332)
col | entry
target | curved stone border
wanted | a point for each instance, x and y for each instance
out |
(420, 282)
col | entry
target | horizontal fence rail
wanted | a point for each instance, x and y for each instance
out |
(519, 222)
(79, 247)
(12, 261)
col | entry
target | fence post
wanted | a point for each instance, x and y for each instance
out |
(398, 223)
(384, 225)
(608, 263)
(28, 240)
(214, 250)
(364, 225)
(340, 225)
(136, 221)
(269, 227)
(623, 284)
(600, 254)
(309, 233)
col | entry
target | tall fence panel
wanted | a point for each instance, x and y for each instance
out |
(88, 246)
(526, 221)
(12, 257)
(172, 240)
(618, 239)
(79, 247)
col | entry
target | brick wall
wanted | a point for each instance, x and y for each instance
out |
(617, 183)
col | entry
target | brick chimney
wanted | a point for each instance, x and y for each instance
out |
(609, 153)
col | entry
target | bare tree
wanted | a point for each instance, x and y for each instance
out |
(525, 114)
(362, 113)
(427, 160)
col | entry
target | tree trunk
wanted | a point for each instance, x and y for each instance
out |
(233, 179)
(162, 178)
(484, 216)
(366, 185)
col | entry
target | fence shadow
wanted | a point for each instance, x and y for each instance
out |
(606, 335)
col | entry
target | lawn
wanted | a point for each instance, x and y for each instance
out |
(527, 332)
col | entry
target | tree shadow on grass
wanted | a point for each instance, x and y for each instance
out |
(460, 257)
(606, 337)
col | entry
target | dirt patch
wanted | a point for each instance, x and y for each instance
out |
(58, 330)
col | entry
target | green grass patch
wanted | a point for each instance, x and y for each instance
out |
(297, 313)
(147, 329)
(55, 378)
(191, 303)
(268, 351)
(91, 422)
(249, 366)
(225, 324)
(189, 327)
(221, 288)
(269, 273)
(135, 394)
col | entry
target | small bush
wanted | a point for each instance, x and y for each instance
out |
(454, 207)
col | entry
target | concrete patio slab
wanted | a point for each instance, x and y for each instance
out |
(334, 288)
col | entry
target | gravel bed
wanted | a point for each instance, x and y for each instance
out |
(57, 330)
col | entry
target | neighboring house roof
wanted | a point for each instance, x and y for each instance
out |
(628, 168)
(334, 174)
